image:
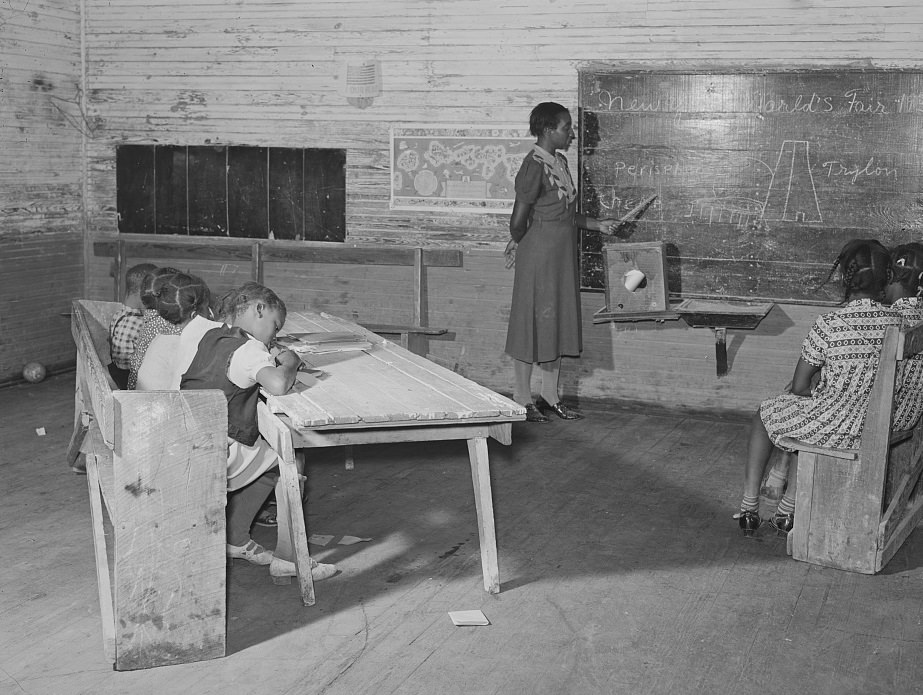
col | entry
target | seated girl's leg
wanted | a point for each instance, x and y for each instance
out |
(243, 505)
(778, 474)
(784, 518)
(758, 451)
(284, 548)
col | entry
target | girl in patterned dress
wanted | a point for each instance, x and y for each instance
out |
(904, 294)
(544, 322)
(153, 323)
(842, 348)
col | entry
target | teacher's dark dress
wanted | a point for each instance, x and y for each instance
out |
(545, 313)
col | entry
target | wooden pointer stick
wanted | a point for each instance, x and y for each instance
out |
(637, 209)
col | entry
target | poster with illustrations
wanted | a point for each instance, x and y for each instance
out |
(463, 169)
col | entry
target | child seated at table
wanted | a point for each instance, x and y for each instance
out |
(180, 300)
(236, 359)
(153, 323)
(125, 326)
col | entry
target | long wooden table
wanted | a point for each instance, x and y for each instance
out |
(388, 394)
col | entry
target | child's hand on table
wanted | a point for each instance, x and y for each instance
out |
(287, 358)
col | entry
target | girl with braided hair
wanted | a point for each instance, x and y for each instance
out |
(178, 298)
(841, 352)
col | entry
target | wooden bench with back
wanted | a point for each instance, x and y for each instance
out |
(156, 465)
(854, 508)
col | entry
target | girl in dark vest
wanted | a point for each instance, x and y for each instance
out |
(236, 359)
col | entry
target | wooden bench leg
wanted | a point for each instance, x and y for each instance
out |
(480, 477)
(804, 492)
(106, 611)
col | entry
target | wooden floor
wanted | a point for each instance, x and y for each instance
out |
(621, 568)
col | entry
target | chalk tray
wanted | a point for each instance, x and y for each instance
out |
(703, 313)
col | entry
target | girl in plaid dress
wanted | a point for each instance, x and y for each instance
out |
(842, 348)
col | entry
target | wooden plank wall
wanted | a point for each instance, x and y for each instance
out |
(264, 73)
(41, 235)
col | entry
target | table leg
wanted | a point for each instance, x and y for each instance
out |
(348, 457)
(721, 351)
(480, 477)
(288, 498)
(289, 503)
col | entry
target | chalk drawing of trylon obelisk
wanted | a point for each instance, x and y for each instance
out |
(791, 195)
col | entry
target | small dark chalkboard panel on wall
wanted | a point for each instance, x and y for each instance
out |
(237, 191)
(760, 177)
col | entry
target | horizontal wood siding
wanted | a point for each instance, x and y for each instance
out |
(264, 73)
(41, 235)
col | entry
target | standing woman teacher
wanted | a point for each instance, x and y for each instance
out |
(545, 313)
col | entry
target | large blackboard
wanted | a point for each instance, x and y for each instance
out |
(760, 177)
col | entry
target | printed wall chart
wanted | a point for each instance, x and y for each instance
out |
(461, 169)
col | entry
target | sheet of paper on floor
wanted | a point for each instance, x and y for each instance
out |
(466, 618)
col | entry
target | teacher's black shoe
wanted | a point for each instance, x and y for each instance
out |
(533, 414)
(565, 412)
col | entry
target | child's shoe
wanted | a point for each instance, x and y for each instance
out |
(749, 520)
(267, 516)
(782, 523)
(252, 552)
(282, 571)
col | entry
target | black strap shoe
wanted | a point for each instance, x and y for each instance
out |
(749, 521)
(565, 412)
(782, 523)
(533, 414)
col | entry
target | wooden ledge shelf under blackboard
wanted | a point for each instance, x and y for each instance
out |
(700, 313)
(719, 316)
(606, 316)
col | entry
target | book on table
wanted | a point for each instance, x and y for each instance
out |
(324, 341)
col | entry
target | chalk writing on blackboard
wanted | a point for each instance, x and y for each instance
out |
(760, 177)
(456, 168)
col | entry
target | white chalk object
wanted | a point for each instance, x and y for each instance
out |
(633, 279)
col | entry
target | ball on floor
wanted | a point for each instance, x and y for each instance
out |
(33, 372)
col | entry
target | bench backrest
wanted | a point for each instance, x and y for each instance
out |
(90, 328)
(152, 416)
(898, 344)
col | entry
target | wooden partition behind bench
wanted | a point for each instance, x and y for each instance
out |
(156, 471)
(231, 262)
